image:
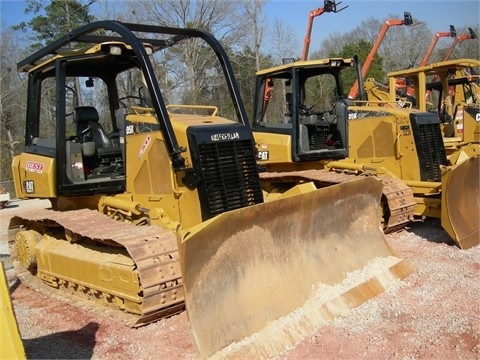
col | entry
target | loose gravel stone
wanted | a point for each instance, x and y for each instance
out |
(433, 313)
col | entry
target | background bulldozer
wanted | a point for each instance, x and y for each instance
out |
(306, 129)
(159, 206)
(451, 89)
(448, 87)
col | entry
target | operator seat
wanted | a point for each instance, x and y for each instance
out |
(104, 157)
(88, 128)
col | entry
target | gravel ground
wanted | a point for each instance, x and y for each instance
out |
(433, 313)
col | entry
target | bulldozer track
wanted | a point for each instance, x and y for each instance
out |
(398, 196)
(153, 250)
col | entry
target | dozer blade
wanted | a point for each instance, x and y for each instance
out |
(461, 202)
(12, 346)
(259, 279)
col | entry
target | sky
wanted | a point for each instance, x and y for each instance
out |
(438, 14)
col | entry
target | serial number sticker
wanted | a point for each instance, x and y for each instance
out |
(29, 186)
(405, 129)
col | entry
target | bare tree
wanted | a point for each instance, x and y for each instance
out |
(333, 44)
(192, 80)
(108, 10)
(254, 27)
(283, 42)
(402, 46)
(12, 101)
(405, 46)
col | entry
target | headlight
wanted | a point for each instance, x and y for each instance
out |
(148, 49)
(115, 50)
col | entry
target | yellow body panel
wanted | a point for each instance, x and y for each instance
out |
(151, 180)
(273, 148)
(12, 346)
(37, 178)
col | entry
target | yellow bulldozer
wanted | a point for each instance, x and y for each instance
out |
(159, 207)
(306, 129)
(451, 89)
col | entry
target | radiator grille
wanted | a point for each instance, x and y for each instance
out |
(229, 175)
(228, 172)
(430, 147)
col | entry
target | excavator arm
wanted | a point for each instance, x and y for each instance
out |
(328, 6)
(458, 38)
(461, 37)
(407, 20)
(438, 35)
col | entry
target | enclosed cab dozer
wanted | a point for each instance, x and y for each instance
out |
(448, 89)
(157, 207)
(306, 129)
(310, 132)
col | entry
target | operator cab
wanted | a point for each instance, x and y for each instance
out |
(85, 131)
(306, 103)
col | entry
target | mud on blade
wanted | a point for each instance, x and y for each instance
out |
(262, 278)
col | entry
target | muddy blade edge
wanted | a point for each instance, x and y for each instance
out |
(259, 279)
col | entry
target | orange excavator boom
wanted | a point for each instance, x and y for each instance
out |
(328, 6)
(471, 35)
(407, 20)
(438, 35)
(461, 37)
